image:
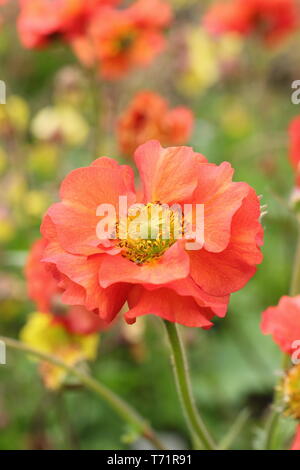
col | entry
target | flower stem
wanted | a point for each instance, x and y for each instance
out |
(123, 409)
(199, 433)
(274, 419)
(235, 430)
(96, 102)
(272, 426)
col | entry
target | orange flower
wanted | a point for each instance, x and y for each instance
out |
(41, 21)
(45, 290)
(296, 443)
(294, 154)
(155, 275)
(120, 39)
(149, 117)
(271, 19)
(283, 322)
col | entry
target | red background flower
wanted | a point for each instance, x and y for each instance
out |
(41, 21)
(283, 322)
(120, 39)
(148, 117)
(294, 144)
(296, 442)
(271, 19)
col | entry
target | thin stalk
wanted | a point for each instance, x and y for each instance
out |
(198, 430)
(235, 429)
(123, 409)
(272, 426)
(96, 97)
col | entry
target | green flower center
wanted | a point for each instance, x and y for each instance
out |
(148, 232)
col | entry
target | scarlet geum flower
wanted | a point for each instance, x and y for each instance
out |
(118, 40)
(42, 21)
(147, 117)
(272, 20)
(283, 323)
(167, 280)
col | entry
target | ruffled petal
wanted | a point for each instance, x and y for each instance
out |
(82, 192)
(188, 288)
(168, 305)
(168, 175)
(226, 272)
(221, 199)
(83, 272)
(173, 265)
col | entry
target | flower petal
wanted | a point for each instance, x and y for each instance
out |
(226, 272)
(221, 199)
(283, 322)
(168, 175)
(82, 192)
(83, 272)
(187, 287)
(166, 304)
(173, 265)
(296, 442)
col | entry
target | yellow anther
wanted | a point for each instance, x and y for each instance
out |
(150, 231)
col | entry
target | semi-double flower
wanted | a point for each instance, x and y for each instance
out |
(154, 276)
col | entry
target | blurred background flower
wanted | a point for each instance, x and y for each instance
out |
(149, 117)
(42, 333)
(271, 20)
(61, 124)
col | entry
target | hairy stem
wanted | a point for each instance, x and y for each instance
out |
(198, 430)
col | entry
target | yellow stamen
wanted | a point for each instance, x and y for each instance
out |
(150, 230)
(291, 392)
